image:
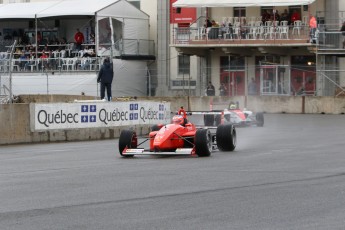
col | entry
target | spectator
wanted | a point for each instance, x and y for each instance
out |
(105, 77)
(208, 23)
(252, 87)
(266, 16)
(312, 27)
(79, 39)
(276, 15)
(222, 89)
(214, 24)
(44, 60)
(210, 90)
(285, 16)
(39, 38)
(23, 60)
(295, 16)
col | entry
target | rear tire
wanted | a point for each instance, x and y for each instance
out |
(260, 119)
(226, 137)
(203, 143)
(128, 138)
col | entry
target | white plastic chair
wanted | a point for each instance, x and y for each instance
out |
(65, 63)
(14, 65)
(236, 32)
(202, 33)
(260, 32)
(63, 53)
(305, 20)
(268, 23)
(284, 32)
(227, 34)
(252, 33)
(297, 27)
(284, 23)
(271, 32)
(258, 23)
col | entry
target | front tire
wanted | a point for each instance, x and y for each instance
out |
(226, 137)
(128, 138)
(203, 143)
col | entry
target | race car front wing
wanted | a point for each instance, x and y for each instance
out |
(142, 151)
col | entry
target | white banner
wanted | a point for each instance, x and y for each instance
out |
(97, 114)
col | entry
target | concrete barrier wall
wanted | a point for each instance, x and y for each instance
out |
(15, 118)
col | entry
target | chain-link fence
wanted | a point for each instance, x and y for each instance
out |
(6, 95)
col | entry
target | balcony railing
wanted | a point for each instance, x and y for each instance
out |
(330, 40)
(63, 64)
(65, 59)
(242, 35)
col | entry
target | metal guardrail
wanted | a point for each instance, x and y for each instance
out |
(330, 40)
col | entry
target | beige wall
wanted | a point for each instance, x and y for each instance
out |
(146, 6)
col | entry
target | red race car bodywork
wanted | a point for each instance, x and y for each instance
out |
(176, 139)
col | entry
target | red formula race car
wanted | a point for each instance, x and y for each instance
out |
(239, 118)
(181, 137)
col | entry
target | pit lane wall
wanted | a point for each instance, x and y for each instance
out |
(38, 118)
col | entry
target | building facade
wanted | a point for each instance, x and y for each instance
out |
(275, 58)
(281, 58)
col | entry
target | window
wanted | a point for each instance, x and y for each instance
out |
(267, 60)
(236, 63)
(268, 9)
(303, 62)
(183, 64)
(239, 12)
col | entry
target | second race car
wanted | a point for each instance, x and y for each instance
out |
(234, 115)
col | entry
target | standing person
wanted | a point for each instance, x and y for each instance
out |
(210, 90)
(252, 87)
(312, 27)
(285, 16)
(222, 90)
(105, 77)
(79, 39)
(295, 16)
(342, 29)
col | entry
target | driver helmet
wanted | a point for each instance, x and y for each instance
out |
(232, 106)
(178, 120)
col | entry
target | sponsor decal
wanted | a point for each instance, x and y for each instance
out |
(93, 115)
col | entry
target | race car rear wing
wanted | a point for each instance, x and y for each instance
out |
(207, 118)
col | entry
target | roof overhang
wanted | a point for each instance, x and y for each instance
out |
(53, 8)
(239, 3)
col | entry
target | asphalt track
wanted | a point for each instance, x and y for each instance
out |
(289, 174)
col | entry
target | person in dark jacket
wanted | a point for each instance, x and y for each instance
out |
(105, 77)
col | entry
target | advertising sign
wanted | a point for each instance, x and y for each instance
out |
(181, 15)
(97, 114)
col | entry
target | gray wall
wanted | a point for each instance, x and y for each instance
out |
(15, 118)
